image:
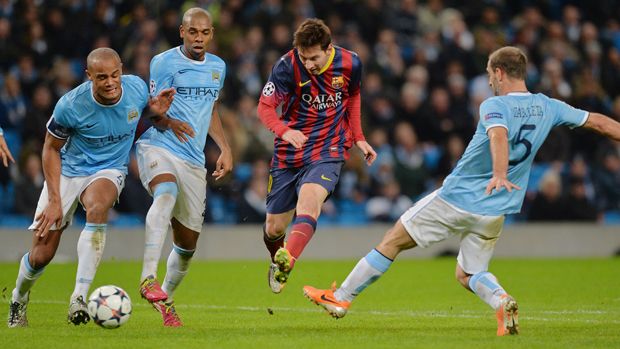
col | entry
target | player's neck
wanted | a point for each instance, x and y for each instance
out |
(514, 87)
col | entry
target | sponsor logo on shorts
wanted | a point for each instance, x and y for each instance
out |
(153, 164)
(323, 177)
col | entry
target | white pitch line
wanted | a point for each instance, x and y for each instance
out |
(468, 314)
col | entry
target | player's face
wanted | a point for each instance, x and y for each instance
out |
(314, 58)
(106, 78)
(493, 81)
(196, 36)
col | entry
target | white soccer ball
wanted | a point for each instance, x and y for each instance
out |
(109, 306)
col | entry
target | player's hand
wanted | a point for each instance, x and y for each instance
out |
(5, 153)
(51, 215)
(295, 137)
(160, 104)
(369, 153)
(498, 183)
(181, 129)
(224, 165)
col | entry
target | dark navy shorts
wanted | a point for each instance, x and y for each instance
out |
(285, 183)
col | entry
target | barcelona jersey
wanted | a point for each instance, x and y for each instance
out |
(316, 105)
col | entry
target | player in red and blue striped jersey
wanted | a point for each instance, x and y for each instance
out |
(318, 86)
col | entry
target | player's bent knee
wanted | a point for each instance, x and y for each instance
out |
(97, 212)
(274, 230)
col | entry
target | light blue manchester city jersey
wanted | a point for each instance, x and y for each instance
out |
(197, 85)
(98, 136)
(528, 119)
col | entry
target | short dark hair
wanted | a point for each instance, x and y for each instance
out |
(511, 60)
(311, 32)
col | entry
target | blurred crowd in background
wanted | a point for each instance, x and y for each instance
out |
(424, 78)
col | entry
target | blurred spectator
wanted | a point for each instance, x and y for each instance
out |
(390, 205)
(12, 104)
(549, 205)
(578, 207)
(409, 167)
(29, 184)
(39, 112)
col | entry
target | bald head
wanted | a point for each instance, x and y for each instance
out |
(104, 69)
(100, 55)
(196, 32)
(195, 13)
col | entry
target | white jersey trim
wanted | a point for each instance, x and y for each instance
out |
(107, 105)
(189, 59)
(495, 125)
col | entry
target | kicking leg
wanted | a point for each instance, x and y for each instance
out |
(165, 191)
(368, 270)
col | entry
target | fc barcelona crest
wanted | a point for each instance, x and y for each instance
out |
(132, 115)
(215, 76)
(337, 82)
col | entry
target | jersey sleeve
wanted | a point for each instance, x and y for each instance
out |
(493, 113)
(161, 76)
(60, 125)
(356, 75)
(279, 83)
(568, 115)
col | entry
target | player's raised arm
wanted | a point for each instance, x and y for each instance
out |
(52, 214)
(604, 125)
(498, 137)
(5, 153)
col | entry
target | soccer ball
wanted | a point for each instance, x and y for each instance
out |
(109, 306)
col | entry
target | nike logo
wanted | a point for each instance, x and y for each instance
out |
(323, 298)
(183, 71)
(325, 178)
(90, 126)
(302, 84)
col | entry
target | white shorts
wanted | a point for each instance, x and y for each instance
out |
(190, 206)
(71, 189)
(432, 220)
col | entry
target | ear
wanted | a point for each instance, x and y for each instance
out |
(181, 31)
(499, 74)
(88, 74)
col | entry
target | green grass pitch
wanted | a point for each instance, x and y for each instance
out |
(566, 303)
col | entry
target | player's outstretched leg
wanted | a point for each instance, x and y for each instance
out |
(157, 224)
(337, 301)
(327, 300)
(168, 313)
(78, 311)
(302, 231)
